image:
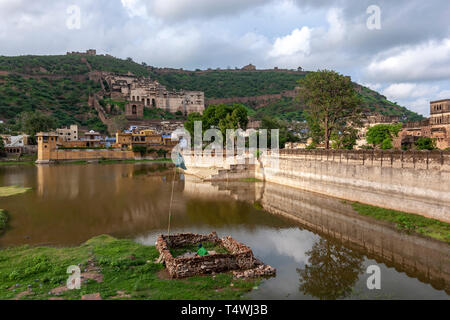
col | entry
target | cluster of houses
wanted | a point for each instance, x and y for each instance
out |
(72, 138)
(16, 145)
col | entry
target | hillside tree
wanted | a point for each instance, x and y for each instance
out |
(32, 122)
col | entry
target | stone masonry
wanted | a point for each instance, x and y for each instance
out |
(240, 258)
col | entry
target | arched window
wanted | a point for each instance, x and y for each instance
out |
(134, 109)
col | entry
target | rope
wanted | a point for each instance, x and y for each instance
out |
(170, 206)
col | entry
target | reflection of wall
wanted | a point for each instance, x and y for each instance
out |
(194, 187)
(420, 191)
(420, 257)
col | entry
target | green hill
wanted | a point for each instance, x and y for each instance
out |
(59, 85)
(228, 84)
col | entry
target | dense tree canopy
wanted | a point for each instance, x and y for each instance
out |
(34, 122)
(219, 116)
(425, 143)
(381, 135)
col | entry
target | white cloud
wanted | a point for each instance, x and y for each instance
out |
(409, 90)
(135, 8)
(296, 42)
(180, 10)
(336, 31)
(428, 61)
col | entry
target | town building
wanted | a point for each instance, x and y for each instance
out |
(148, 138)
(437, 127)
(68, 133)
(17, 145)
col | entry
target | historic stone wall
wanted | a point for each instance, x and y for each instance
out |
(415, 182)
(418, 185)
(90, 154)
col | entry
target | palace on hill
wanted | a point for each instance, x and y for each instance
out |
(143, 92)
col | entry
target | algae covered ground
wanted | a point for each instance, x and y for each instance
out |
(12, 191)
(116, 269)
(8, 192)
(209, 246)
(407, 221)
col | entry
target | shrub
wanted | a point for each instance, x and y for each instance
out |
(140, 149)
(425, 143)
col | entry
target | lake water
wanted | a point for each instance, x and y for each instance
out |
(320, 248)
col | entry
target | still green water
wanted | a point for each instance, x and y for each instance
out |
(321, 249)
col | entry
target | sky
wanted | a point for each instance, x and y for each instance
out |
(399, 48)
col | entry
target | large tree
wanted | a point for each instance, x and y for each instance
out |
(332, 103)
(34, 122)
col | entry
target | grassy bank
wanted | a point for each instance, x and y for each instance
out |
(126, 270)
(408, 222)
(14, 162)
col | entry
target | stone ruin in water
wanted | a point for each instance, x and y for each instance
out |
(240, 258)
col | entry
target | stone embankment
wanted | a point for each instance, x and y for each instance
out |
(409, 181)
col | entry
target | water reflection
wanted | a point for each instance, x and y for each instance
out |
(318, 245)
(331, 272)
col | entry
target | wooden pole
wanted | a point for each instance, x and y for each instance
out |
(170, 205)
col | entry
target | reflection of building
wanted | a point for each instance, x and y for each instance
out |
(436, 127)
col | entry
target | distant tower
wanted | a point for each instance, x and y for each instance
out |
(46, 144)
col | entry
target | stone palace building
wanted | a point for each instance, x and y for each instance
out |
(142, 92)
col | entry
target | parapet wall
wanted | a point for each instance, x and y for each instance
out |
(410, 181)
(88, 154)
